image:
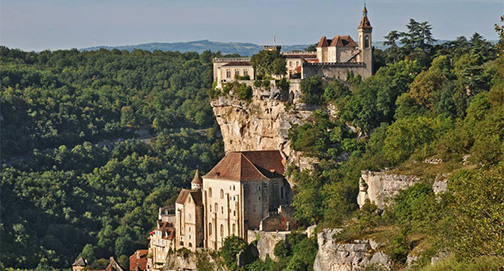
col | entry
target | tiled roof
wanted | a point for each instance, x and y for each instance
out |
(365, 23)
(138, 261)
(338, 41)
(195, 195)
(249, 165)
(234, 64)
(167, 230)
(301, 55)
(113, 265)
(323, 42)
(197, 179)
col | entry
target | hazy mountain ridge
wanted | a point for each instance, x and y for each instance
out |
(242, 48)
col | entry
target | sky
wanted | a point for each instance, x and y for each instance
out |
(63, 24)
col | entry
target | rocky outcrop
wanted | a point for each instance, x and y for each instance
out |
(380, 186)
(177, 262)
(262, 123)
(267, 241)
(355, 256)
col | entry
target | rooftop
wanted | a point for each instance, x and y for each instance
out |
(249, 165)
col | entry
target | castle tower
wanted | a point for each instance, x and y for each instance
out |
(197, 182)
(365, 43)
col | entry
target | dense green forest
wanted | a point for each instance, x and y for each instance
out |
(426, 101)
(73, 181)
(77, 182)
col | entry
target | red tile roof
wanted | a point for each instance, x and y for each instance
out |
(195, 195)
(167, 230)
(249, 165)
(138, 261)
(338, 41)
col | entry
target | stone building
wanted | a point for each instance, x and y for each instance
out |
(335, 58)
(161, 242)
(189, 216)
(240, 191)
(79, 264)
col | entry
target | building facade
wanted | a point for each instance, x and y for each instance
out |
(162, 240)
(336, 58)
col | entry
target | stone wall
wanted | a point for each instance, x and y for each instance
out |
(355, 256)
(337, 71)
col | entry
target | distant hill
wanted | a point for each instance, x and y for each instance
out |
(244, 49)
(226, 48)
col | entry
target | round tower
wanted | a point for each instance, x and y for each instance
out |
(197, 182)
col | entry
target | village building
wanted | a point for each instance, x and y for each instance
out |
(79, 264)
(161, 242)
(189, 216)
(336, 58)
(138, 261)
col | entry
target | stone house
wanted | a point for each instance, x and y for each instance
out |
(161, 242)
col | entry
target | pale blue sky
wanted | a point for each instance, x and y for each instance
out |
(60, 24)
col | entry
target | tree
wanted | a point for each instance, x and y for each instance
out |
(269, 62)
(233, 245)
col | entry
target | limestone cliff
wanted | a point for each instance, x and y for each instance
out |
(264, 122)
(355, 256)
(380, 186)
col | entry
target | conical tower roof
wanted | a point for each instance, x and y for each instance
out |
(197, 179)
(365, 23)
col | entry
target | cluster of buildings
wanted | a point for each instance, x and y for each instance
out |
(336, 58)
(246, 191)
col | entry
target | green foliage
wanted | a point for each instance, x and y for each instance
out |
(233, 245)
(68, 97)
(484, 263)
(312, 90)
(267, 63)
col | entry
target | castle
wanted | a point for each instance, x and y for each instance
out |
(335, 58)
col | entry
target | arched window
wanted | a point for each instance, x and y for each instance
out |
(210, 192)
(222, 209)
(234, 229)
(190, 244)
(221, 193)
(366, 41)
(221, 230)
(209, 228)
(216, 207)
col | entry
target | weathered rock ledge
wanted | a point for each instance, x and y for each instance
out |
(354, 256)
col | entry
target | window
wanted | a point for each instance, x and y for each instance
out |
(234, 213)
(228, 73)
(210, 192)
(189, 216)
(221, 193)
(245, 72)
(210, 208)
(221, 230)
(190, 244)
(366, 42)
(222, 209)
(234, 229)
(234, 188)
(189, 231)
(209, 228)
(237, 72)
(216, 207)
(290, 63)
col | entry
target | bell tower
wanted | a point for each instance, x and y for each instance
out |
(365, 43)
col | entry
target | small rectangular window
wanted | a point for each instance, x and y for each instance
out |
(245, 73)
(228, 73)
(237, 72)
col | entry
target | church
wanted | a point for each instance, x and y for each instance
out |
(245, 191)
(335, 58)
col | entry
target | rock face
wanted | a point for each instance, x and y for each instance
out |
(179, 262)
(354, 256)
(267, 241)
(378, 186)
(262, 123)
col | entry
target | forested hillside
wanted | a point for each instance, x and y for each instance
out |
(76, 183)
(442, 102)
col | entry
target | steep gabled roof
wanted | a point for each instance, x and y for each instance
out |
(195, 195)
(323, 42)
(138, 261)
(113, 265)
(343, 41)
(197, 179)
(249, 165)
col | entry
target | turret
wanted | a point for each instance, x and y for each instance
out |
(197, 182)
(365, 43)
